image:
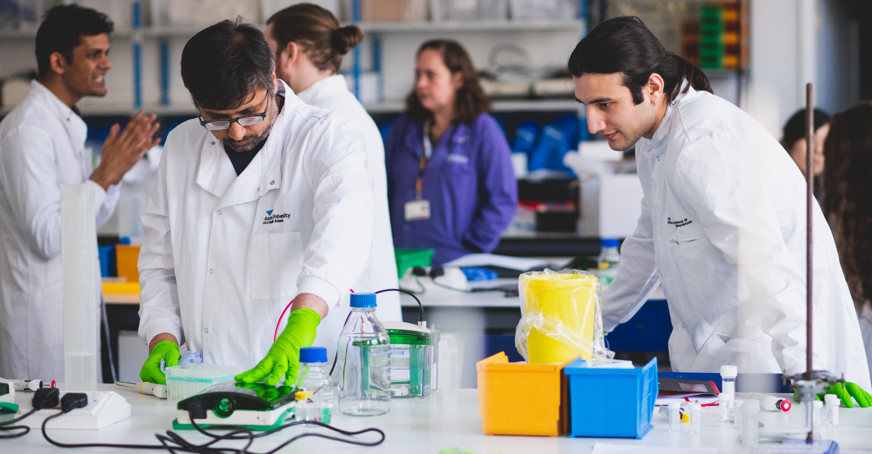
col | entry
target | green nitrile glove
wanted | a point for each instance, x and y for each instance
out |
(164, 350)
(283, 358)
(851, 390)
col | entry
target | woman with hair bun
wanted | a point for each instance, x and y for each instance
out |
(308, 44)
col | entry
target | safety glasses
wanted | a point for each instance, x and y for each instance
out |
(248, 120)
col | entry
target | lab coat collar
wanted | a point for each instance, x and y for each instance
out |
(328, 85)
(76, 128)
(657, 144)
(216, 173)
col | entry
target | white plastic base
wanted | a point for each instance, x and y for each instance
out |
(238, 418)
(104, 408)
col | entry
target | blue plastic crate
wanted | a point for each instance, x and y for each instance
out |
(107, 261)
(611, 402)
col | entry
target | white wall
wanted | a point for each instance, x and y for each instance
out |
(544, 48)
(794, 42)
(777, 73)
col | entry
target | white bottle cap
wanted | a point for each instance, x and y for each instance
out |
(674, 405)
(729, 371)
(750, 407)
(818, 405)
(832, 399)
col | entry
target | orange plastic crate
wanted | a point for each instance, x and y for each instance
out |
(521, 398)
(126, 258)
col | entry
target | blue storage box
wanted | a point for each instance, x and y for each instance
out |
(107, 261)
(608, 402)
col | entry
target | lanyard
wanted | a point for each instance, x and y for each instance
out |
(428, 152)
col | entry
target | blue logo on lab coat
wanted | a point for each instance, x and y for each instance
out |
(275, 218)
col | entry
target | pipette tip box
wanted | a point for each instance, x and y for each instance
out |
(185, 381)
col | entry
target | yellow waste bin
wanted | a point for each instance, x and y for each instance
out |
(559, 315)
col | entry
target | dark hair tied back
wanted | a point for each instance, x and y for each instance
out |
(347, 38)
(625, 45)
(317, 31)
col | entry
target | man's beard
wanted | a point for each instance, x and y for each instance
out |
(250, 142)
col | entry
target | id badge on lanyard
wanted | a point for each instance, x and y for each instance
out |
(419, 209)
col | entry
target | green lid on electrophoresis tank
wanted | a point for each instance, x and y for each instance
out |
(407, 333)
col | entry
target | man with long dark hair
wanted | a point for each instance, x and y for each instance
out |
(261, 200)
(723, 218)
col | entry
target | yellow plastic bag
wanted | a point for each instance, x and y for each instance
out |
(561, 318)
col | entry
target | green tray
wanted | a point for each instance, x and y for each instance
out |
(410, 258)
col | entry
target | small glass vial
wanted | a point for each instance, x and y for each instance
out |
(750, 429)
(726, 398)
(695, 416)
(833, 402)
(817, 406)
(674, 416)
(314, 382)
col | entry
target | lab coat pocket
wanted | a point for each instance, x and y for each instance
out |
(276, 262)
(683, 241)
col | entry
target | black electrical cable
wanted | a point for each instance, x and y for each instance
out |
(410, 293)
(420, 286)
(24, 429)
(13, 421)
(89, 445)
(251, 435)
(174, 442)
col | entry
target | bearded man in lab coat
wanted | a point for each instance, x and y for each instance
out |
(723, 218)
(42, 146)
(261, 200)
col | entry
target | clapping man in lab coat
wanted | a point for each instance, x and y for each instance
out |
(261, 200)
(723, 218)
(42, 146)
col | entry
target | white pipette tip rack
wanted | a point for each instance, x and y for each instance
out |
(185, 381)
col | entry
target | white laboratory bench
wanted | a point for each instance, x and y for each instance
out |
(444, 420)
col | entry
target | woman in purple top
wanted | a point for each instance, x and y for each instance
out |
(450, 181)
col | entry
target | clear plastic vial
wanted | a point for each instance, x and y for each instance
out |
(750, 428)
(833, 402)
(363, 366)
(695, 416)
(674, 416)
(314, 380)
(726, 399)
(607, 262)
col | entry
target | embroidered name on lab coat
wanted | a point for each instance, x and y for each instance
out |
(275, 218)
(679, 222)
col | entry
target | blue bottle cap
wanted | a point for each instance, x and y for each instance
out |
(363, 300)
(609, 242)
(313, 355)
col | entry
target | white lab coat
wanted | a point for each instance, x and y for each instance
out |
(381, 272)
(42, 146)
(723, 229)
(866, 331)
(224, 254)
